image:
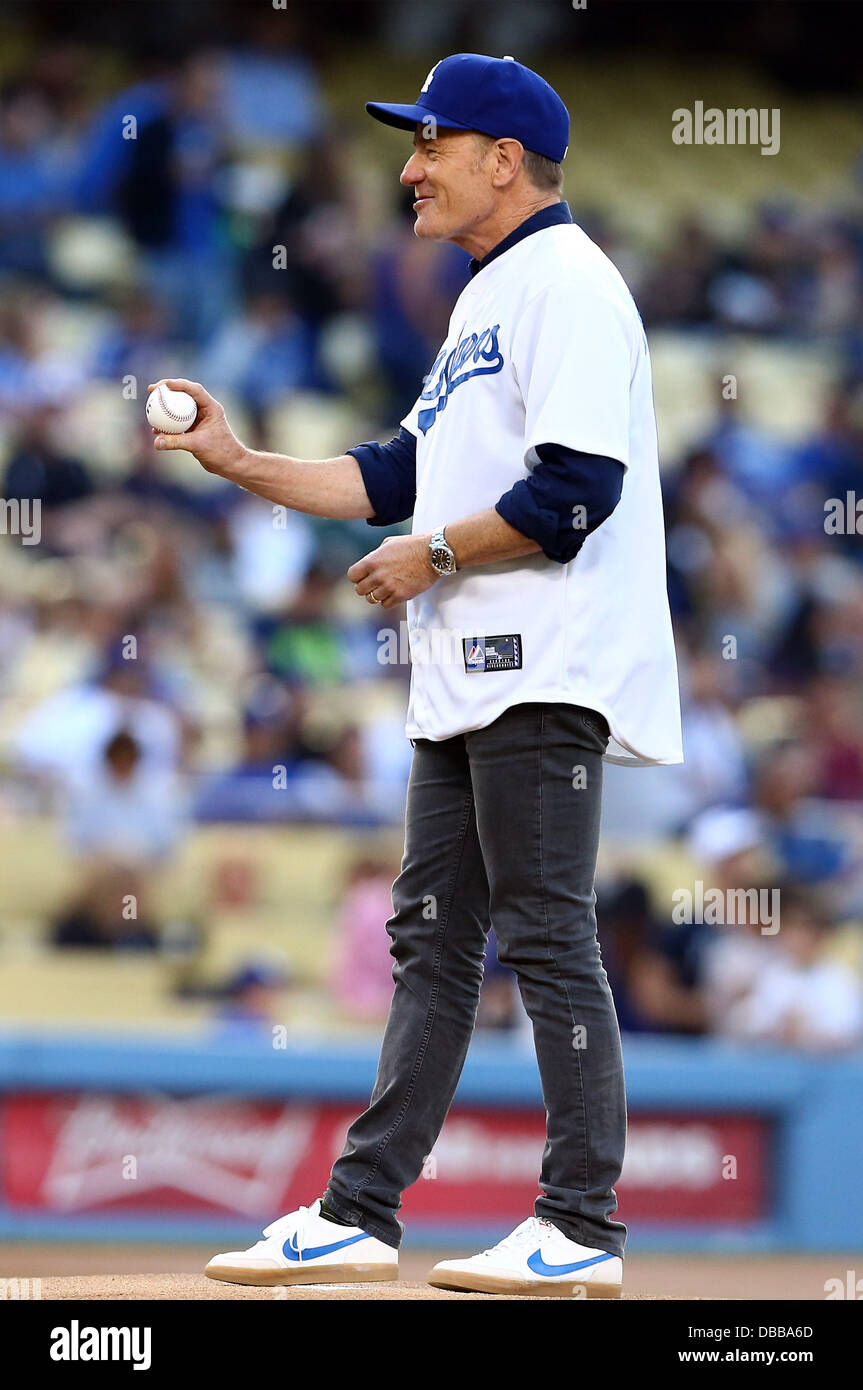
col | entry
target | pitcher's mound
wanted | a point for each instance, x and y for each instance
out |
(180, 1287)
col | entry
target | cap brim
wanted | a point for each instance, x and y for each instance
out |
(406, 117)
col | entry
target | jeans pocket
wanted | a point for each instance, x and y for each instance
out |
(596, 722)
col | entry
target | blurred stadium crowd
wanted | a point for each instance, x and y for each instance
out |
(173, 655)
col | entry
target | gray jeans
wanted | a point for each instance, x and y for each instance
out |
(502, 828)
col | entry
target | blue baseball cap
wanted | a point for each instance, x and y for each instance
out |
(496, 96)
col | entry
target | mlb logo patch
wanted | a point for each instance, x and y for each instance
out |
(500, 653)
(474, 658)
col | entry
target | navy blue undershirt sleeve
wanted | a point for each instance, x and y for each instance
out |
(542, 506)
(390, 477)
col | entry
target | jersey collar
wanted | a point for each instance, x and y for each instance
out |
(551, 216)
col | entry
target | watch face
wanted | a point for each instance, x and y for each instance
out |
(442, 560)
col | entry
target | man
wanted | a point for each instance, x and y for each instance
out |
(529, 465)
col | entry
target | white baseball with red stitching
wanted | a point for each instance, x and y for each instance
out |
(172, 412)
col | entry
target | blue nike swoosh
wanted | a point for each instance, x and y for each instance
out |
(293, 1253)
(538, 1265)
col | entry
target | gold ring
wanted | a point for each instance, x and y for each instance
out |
(370, 596)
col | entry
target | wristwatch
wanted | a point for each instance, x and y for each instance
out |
(441, 554)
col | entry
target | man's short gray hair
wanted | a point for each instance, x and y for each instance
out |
(544, 174)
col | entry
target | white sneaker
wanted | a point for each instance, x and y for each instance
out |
(536, 1259)
(304, 1248)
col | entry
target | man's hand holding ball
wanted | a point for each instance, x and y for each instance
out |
(183, 415)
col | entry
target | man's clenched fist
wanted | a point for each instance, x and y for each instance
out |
(399, 569)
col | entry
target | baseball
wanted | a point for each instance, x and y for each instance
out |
(172, 412)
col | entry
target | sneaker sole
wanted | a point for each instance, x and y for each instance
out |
(490, 1283)
(324, 1274)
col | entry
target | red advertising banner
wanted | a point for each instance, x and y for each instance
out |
(87, 1153)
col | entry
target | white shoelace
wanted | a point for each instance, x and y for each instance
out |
(530, 1232)
(293, 1224)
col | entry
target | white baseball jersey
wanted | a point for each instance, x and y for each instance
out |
(545, 346)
